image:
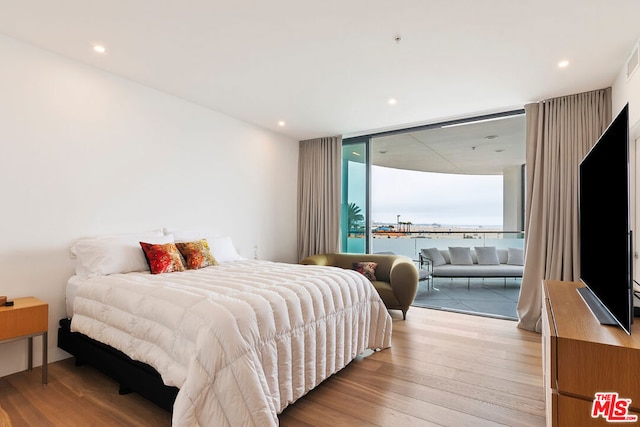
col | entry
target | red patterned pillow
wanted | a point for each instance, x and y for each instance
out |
(367, 269)
(162, 258)
(197, 254)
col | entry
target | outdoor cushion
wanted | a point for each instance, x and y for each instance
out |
(460, 255)
(487, 255)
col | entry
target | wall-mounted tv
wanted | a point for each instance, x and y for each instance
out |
(605, 226)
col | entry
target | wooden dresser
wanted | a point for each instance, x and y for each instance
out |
(582, 357)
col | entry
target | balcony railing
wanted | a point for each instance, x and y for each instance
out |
(409, 243)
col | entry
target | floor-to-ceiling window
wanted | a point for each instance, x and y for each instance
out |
(459, 183)
(460, 173)
(354, 222)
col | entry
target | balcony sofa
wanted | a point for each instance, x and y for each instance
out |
(396, 276)
(477, 262)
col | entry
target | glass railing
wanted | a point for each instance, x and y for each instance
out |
(410, 243)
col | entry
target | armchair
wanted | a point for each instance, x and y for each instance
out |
(397, 276)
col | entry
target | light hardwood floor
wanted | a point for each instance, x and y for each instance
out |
(443, 369)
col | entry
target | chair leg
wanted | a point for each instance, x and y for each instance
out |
(404, 314)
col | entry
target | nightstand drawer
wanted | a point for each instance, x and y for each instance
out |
(27, 316)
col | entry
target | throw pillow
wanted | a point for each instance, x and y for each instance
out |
(487, 255)
(196, 254)
(435, 256)
(367, 269)
(162, 258)
(460, 255)
(515, 256)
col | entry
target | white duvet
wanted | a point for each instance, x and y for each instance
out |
(241, 340)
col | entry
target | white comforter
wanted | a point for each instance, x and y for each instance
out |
(241, 340)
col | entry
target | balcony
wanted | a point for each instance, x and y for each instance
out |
(488, 297)
(409, 243)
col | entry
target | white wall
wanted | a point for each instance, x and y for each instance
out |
(84, 152)
(627, 90)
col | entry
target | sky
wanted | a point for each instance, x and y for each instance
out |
(427, 197)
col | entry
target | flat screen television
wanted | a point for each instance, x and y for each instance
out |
(605, 226)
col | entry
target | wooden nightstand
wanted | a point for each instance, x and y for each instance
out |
(27, 318)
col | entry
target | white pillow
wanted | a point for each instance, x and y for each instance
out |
(460, 255)
(152, 233)
(515, 257)
(223, 250)
(487, 255)
(435, 256)
(111, 255)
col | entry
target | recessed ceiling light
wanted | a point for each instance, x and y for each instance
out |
(281, 123)
(392, 101)
(563, 64)
(99, 48)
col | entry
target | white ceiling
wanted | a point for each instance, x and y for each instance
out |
(481, 148)
(329, 67)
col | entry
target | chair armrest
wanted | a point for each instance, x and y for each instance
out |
(404, 280)
(425, 261)
(320, 259)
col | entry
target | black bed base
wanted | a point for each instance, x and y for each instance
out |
(133, 376)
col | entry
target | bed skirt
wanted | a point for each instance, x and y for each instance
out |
(133, 376)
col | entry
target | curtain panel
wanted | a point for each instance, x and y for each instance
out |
(559, 133)
(319, 196)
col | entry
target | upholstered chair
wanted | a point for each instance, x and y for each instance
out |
(396, 275)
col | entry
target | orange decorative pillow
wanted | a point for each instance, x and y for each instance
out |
(367, 269)
(162, 258)
(197, 254)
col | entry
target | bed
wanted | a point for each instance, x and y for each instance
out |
(234, 343)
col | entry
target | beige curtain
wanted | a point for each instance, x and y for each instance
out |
(560, 132)
(319, 193)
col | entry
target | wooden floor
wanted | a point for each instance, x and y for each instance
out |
(443, 369)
